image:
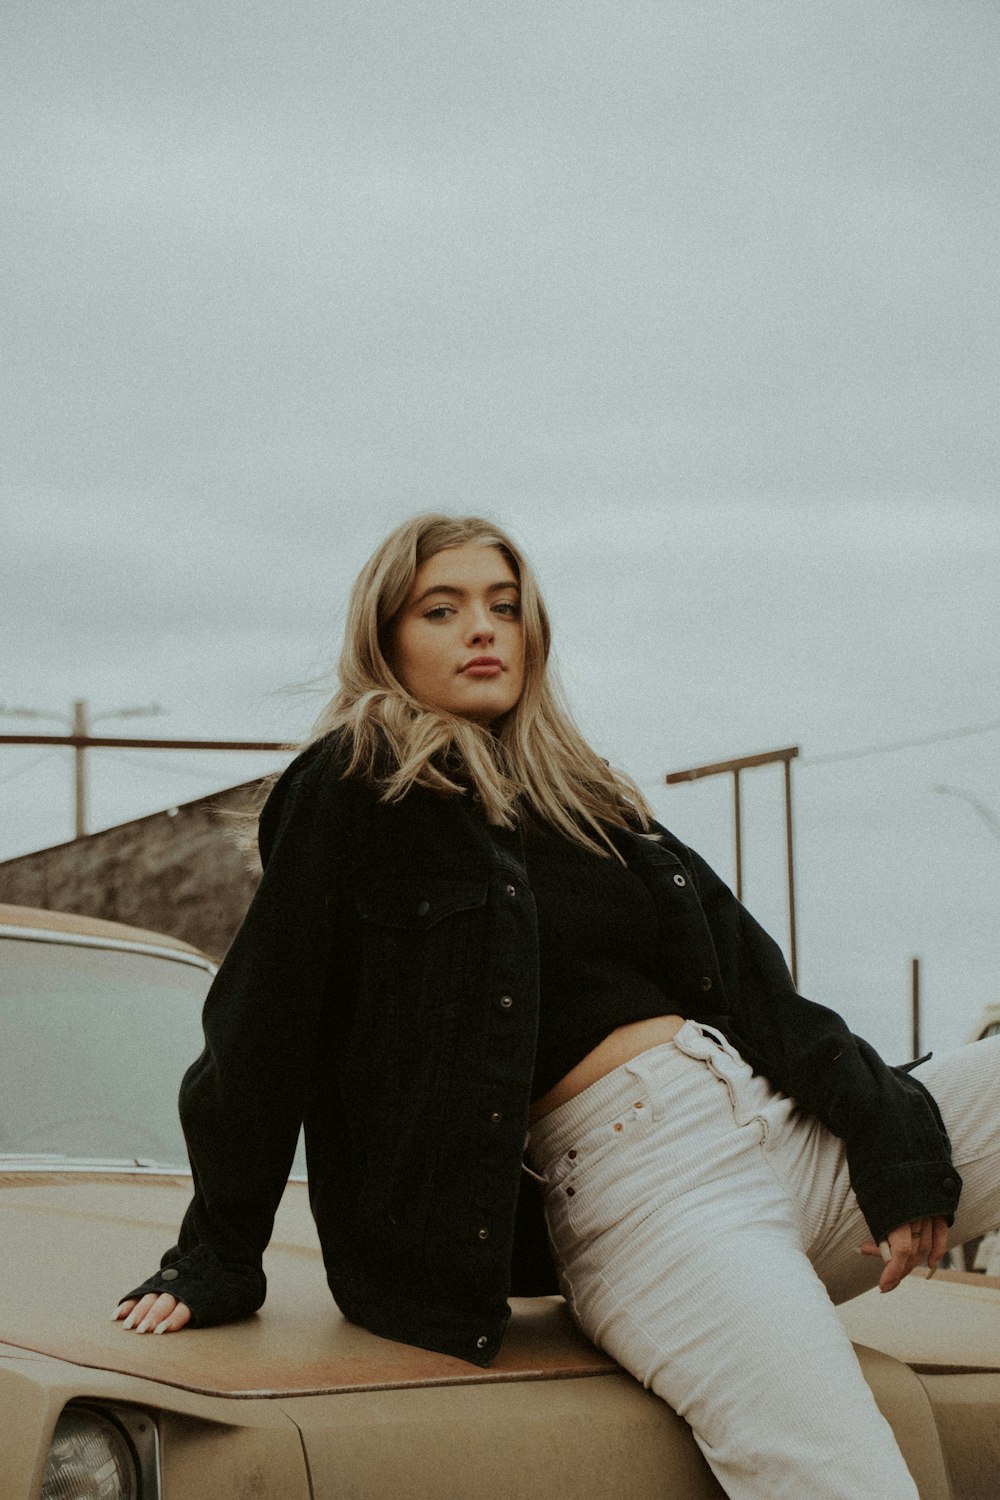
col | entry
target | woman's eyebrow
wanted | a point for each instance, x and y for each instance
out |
(457, 593)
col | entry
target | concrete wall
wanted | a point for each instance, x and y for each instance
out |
(177, 871)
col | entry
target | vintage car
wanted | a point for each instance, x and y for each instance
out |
(98, 1022)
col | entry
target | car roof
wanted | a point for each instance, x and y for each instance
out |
(37, 919)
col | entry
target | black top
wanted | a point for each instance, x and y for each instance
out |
(598, 940)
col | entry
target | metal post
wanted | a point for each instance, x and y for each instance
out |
(739, 833)
(790, 860)
(915, 1005)
(745, 763)
(80, 728)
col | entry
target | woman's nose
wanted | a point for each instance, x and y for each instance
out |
(481, 627)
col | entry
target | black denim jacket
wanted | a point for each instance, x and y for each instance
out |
(383, 990)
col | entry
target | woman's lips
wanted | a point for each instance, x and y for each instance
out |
(483, 666)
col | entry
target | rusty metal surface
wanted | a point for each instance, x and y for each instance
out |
(81, 1244)
(738, 763)
(78, 1241)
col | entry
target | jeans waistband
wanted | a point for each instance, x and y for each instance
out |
(554, 1132)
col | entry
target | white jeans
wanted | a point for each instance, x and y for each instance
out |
(704, 1227)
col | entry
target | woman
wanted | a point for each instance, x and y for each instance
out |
(467, 921)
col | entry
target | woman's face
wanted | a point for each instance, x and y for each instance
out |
(457, 644)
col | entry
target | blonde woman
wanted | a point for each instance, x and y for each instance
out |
(469, 927)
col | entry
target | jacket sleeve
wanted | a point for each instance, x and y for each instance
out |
(242, 1101)
(898, 1152)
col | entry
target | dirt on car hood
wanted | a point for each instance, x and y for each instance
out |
(72, 1243)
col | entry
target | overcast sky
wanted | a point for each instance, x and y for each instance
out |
(699, 299)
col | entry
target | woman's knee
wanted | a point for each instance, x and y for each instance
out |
(966, 1085)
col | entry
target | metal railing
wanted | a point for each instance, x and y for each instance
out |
(734, 768)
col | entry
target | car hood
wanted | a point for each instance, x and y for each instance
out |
(947, 1324)
(73, 1242)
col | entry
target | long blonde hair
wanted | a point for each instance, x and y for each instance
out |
(534, 759)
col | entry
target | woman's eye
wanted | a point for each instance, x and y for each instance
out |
(439, 612)
(508, 607)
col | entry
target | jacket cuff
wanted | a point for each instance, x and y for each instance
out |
(216, 1291)
(910, 1190)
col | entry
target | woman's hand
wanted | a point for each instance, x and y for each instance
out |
(907, 1247)
(152, 1314)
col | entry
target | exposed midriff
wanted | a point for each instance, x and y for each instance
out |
(619, 1046)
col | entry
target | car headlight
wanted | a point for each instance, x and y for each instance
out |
(89, 1459)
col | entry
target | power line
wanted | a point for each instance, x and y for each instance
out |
(29, 767)
(979, 807)
(648, 783)
(893, 746)
(160, 765)
(79, 737)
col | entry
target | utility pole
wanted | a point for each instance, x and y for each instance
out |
(79, 738)
(80, 766)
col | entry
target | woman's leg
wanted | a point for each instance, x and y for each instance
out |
(681, 1255)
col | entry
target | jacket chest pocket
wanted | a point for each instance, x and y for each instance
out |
(423, 941)
(422, 950)
(416, 904)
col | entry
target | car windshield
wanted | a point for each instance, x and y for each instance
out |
(93, 1044)
(94, 1041)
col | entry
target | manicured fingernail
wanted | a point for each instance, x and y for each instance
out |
(129, 1321)
(143, 1326)
(160, 1328)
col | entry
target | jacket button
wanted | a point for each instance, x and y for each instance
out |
(570, 1192)
(423, 908)
(571, 1153)
(512, 890)
(170, 1275)
(679, 880)
(496, 1116)
(706, 982)
(506, 1002)
(484, 1234)
(482, 1341)
(950, 1186)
